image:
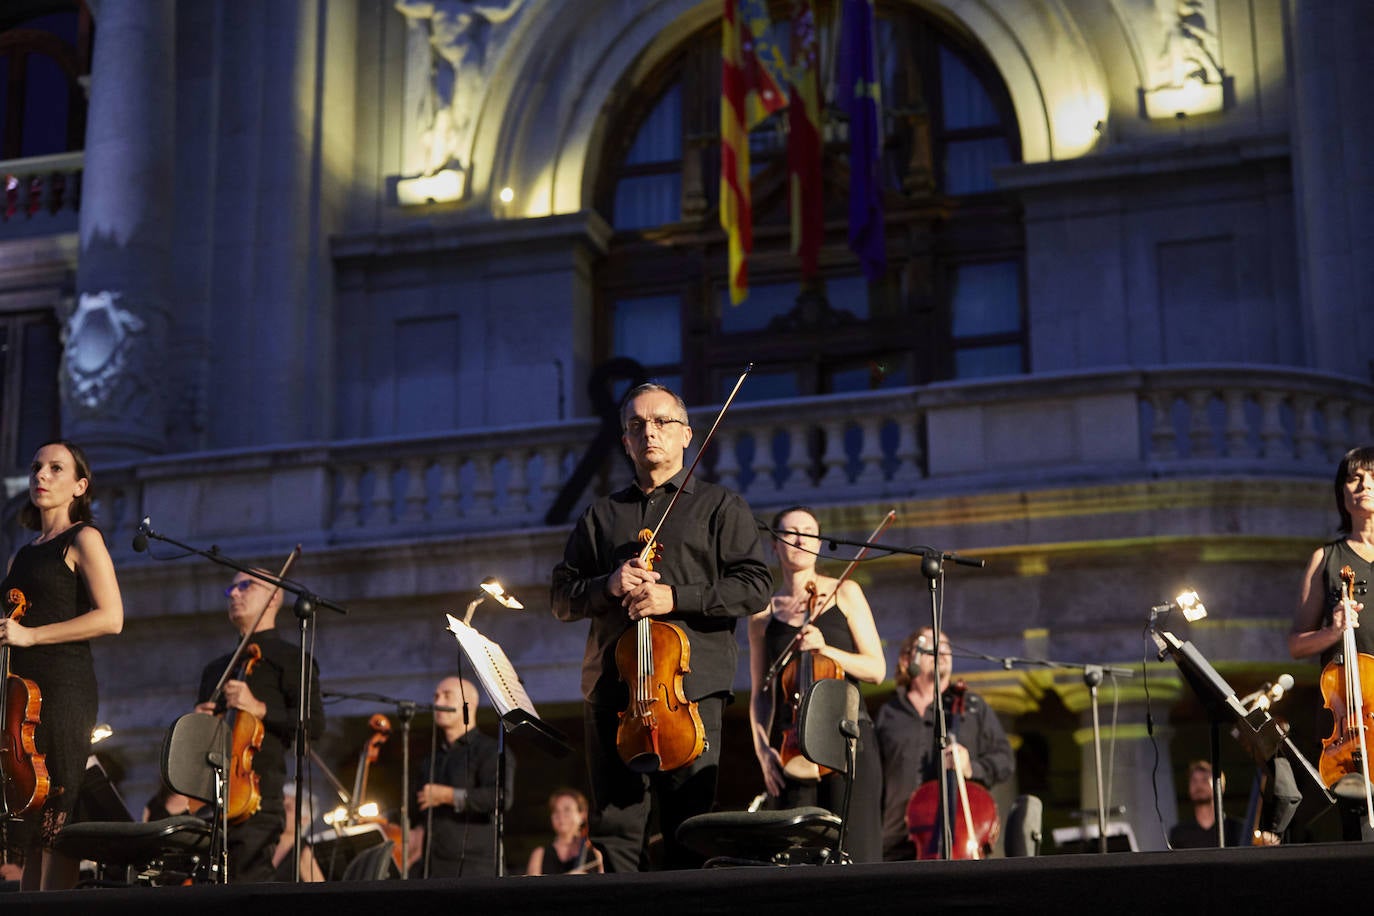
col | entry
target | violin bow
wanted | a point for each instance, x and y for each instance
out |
(648, 550)
(243, 643)
(781, 661)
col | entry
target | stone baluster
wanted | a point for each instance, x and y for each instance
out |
(449, 489)
(1272, 438)
(415, 497)
(1307, 441)
(382, 513)
(1334, 412)
(1237, 429)
(727, 462)
(871, 450)
(1361, 423)
(551, 475)
(483, 488)
(798, 458)
(348, 507)
(909, 456)
(1163, 446)
(1200, 444)
(834, 459)
(518, 487)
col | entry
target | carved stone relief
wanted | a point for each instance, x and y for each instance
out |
(101, 339)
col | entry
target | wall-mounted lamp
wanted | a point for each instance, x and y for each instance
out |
(1187, 602)
(101, 732)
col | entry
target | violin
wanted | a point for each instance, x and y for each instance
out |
(1345, 754)
(23, 769)
(801, 672)
(660, 730)
(976, 824)
(245, 737)
(381, 730)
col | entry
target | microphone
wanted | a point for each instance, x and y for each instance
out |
(1269, 694)
(141, 534)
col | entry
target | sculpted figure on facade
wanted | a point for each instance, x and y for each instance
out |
(464, 40)
(102, 339)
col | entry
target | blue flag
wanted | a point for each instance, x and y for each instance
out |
(860, 97)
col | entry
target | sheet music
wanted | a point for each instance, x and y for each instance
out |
(493, 669)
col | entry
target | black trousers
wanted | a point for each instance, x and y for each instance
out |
(252, 843)
(624, 800)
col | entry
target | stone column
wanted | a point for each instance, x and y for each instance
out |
(1333, 174)
(113, 389)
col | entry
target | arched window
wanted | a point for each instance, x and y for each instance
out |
(950, 305)
(45, 53)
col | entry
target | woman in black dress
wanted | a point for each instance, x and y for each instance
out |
(571, 852)
(844, 632)
(69, 581)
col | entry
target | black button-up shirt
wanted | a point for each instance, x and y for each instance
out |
(711, 557)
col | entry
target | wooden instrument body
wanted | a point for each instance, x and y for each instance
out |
(23, 769)
(796, 679)
(923, 821)
(1341, 752)
(381, 730)
(660, 730)
(244, 796)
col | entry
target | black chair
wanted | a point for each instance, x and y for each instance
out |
(374, 864)
(828, 734)
(1023, 832)
(172, 850)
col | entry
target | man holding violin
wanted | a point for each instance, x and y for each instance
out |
(270, 691)
(905, 726)
(705, 571)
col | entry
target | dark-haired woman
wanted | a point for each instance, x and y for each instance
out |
(66, 575)
(571, 852)
(1319, 624)
(843, 631)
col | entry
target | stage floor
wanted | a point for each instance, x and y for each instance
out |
(1183, 882)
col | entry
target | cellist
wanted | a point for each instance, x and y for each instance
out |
(1319, 623)
(906, 737)
(68, 580)
(709, 573)
(271, 693)
(840, 629)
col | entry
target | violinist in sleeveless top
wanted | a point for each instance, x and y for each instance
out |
(842, 632)
(73, 597)
(271, 693)
(1319, 623)
(906, 737)
(571, 851)
(711, 572)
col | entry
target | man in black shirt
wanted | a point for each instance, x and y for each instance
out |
(271, 692)
(1200, 830)
(710, 573)
(457, 803)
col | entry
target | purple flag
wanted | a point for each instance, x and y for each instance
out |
(861, 97)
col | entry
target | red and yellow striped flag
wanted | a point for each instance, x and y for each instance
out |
(749, 92)
(806, 200)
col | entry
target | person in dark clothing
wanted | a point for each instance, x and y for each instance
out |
(711, 572)
(457, 803)
(271, 692)
(1320, 620)
(1200, 830)
(906, 737)
(68, 582)
(843, 633)
(571, 851)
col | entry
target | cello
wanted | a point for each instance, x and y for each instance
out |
(800, 670)
(24, 770)
(381, 730)
(660, 729)
(1345, 754)
(976, 825)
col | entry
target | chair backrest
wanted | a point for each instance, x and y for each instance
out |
(186, 754)
(371, 864)
(1023, 833)
(829, 715)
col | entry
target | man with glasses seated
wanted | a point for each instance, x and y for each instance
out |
(711, 572)
(270, 691)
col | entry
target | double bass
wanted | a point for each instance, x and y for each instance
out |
(1345, 754)
(660, 730)
(971, 806)
(23, 769)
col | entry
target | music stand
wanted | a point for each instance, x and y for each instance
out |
(1257, 730)
(507, 695)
